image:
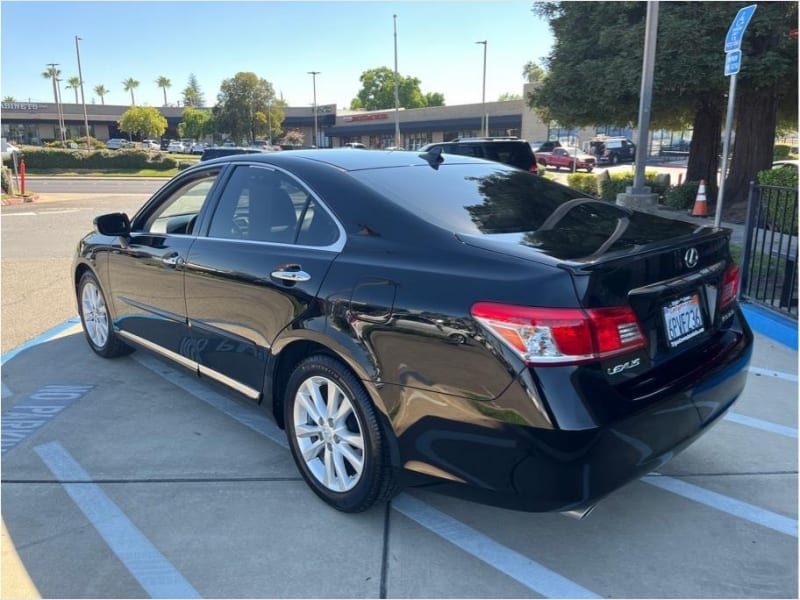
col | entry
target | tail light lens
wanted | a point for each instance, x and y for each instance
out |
(730, 286)
(534, 168)
(549, 336)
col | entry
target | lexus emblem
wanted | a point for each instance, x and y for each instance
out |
(691, 258)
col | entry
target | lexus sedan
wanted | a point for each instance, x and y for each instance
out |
(425, 319)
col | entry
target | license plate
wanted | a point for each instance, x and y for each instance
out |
(683, 319)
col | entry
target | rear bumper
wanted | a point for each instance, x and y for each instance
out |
(537, 469)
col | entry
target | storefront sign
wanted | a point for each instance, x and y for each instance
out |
(19, 106)
(368, 117)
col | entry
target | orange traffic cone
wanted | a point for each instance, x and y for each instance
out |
(700, 205)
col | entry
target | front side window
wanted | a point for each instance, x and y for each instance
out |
(178, 213)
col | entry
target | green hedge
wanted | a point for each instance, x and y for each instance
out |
(781, 151)
(44, 159)
(583, 182)
(682, 196)
(609, 187)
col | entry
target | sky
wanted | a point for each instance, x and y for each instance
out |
(279, 41)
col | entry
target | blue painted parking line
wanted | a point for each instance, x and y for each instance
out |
(28, 416)
(529, 573)
(736, 508)
(158, 577)
(761, 424)
(45, 337)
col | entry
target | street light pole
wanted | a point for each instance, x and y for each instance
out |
(484, 116)
(83, 98)
(396, 91)
(314, 80)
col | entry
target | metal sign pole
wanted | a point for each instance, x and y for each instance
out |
(726, 144)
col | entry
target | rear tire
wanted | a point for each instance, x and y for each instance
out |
(335, 437)
(96, 319)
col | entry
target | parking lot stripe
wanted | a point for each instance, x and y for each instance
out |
(529, 573)
(158, 577)
(41, 339)
(737, 508)
(761, 424)
(505, 560)
(247, 416)
(773, 373)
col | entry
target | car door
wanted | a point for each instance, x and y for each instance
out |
(146, 270)
(255, 270)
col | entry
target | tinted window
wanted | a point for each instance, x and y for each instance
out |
(260, 204)
(477, 199)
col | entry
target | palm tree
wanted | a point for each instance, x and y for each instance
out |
(8, 99)
(73, 83)
(53, 73)
(129, 85)
(101, 91)
(164, 83)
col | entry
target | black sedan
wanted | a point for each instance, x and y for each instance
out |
(424, 319)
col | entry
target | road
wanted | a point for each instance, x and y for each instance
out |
(38, 244)
(95, 185)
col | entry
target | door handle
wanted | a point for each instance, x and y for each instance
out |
(291, 276)
(172, 260)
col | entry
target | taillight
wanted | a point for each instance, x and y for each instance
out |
(547, 336)
(730, 286)
(534, 168)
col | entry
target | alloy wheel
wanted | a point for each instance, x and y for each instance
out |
(329, 434)
(95, 314)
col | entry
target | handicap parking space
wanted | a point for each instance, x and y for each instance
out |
(133, 478)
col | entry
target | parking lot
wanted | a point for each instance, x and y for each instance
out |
(129, 478)
(133, 478)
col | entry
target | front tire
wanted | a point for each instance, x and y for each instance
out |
(335, 437)
(96, 319)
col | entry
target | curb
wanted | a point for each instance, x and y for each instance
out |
(776, 327)
(11, 200)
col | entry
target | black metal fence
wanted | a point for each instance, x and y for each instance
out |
(769, 261)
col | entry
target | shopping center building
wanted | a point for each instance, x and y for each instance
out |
(36, 123)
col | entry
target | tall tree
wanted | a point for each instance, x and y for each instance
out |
(8, 99)
(506, 96)
(164, 83)
(192, 95)
(53, 73)
(377, 91)
(101, 91)
(129, 85)
(239, 103)
(145, 121)
(593, 75)
(74, 84)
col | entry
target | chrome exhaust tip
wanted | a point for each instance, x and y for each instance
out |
(578, 513)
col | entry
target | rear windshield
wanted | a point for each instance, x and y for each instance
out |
(518, 207)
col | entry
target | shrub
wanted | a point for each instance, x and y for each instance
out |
(615, 184)
(583, 182)
(6, 180)
(781, 151)
(682, 196)
(782, 204)
(44, 159)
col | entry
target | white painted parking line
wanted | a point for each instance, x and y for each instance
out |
(761, 424)
(158, 577)
(772, 373)
(249, 417)
(737, 508)
(529, 573)
(19, 214)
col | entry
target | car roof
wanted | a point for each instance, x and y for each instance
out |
(345, 159)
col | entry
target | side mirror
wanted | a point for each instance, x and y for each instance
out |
(116, 224)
